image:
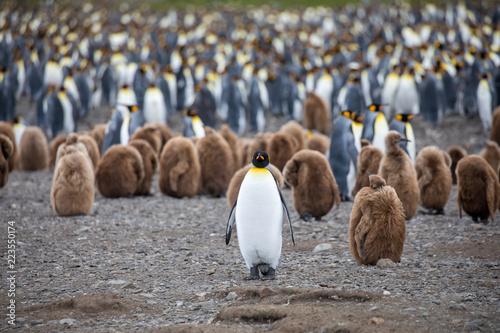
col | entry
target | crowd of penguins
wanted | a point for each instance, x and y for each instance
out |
(348, 81)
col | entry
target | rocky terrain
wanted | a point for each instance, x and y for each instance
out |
(160, 264)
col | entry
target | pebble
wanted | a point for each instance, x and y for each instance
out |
(36, 322)
(458, 307)
(377, 320)
(473, 325)
(116, 282)
(410, 309)
(68, 321)
(231, 296)
(373, 308)
(322, 247)
(386, 292)
(385, 263)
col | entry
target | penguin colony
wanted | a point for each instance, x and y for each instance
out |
(336, 89)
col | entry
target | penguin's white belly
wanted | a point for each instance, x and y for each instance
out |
(484, 104)
(155, 110)
(259, 219)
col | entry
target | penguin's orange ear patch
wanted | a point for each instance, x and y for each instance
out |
(399, 117)
(411, 116)
(372, 107)
(134, 108)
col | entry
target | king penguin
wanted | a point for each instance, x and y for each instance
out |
(401, 123)
(258, 214)
(193, 124)
(343, 154)
(375, 126)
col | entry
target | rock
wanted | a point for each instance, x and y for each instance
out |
(436, 301)
(458, 307)
(410, 309)
(473, 325)
(322, 247)
(386, 263)
(68, 321)
(179, 303)
(480, 314)
(36, 322)
(425, 315)
(231, 296)
(373, 308)
(386, 292)
(376, 320)
(116, 282)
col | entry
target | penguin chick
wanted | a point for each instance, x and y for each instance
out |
(54, 145)
(434, 178)
(258, 215)
(491, 153)
(244, 145)
(232, 140)
(216, 161)
(72, 190)
(33, 151)
(368, 161)
(89, 144)
(152, 135)
(98, 133)
(259, 143)
(180, 170)
(318, 142)
(377, 226)
(478, 190)
(316, 114)
(495, 126)
(6, 150)
(166, 135)
(120, 172)
(7, 130)
(456, 153)
(235, 183)
(314, 188)
(294, 130)
(398, 171)
(149, 163)
(281, 149)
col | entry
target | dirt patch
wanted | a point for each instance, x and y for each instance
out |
(468, 248)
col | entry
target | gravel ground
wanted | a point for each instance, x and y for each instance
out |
(160, 264)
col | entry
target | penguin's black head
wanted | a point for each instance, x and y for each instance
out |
(405, 117)
(190, 112)
(260, 159)
(375, 107)
(132, 108)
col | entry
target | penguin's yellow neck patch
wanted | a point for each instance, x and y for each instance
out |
(259, 171)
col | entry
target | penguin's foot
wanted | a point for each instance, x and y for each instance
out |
(317, 218)
(130, 196)
(439, 212)
(474, 219)
(307, 216)
(254, 273)
(271, 273)
(344, 198)
(484, 221)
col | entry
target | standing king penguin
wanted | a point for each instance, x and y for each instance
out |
(258, 214)
(375, 126)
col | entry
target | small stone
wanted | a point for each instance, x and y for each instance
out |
(425, 315)
(480, 314)
(373, 308)
(36, 322)
(386, 292)
(477, 226)
(473, 325)
(436, 301)
(232, 296)
(266, 292)
(67, 321)
(130, 286)
(115, 282)
(376, 320)
(138, 309)
(179, 303)
(458, 307)
(410, 309)
(385, 263)
(322, 247)
(140, 250)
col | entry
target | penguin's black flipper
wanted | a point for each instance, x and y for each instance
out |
(283, 203)
(230, 222)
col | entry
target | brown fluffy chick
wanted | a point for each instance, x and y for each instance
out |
(369, 159)
(456, 153)
(316, 114)
(478, 189)
(491, 153)
(434, 179)
(398, 171)
(377, 228)
(314, 188)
